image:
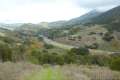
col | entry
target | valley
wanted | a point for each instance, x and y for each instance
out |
(82, 48)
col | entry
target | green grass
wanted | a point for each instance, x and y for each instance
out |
(47, 74)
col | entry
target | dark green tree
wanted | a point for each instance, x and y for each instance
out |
(115, 63)
(80, 51)
(5, 52)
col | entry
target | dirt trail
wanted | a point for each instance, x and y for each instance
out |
(68, 47)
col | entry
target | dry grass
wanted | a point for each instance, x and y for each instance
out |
(16, 71)
(90, 73)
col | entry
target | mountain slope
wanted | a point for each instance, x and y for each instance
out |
(84, 18)
(111, 19)
(76, 21)
(57, 24)
(10, 26)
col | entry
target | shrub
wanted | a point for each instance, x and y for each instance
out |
(108, 37)
(101, 60)
(70, 58)
(5, 52)
(80, 51)
(115, 63)
(48, 46)
(44, 57)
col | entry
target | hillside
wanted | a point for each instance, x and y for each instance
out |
(84, 18)
(111, 19)
(57, 24)
(75, 21)
(10, 26)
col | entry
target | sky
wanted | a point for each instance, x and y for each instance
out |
(36, 11)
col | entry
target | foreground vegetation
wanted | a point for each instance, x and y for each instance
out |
(25, 71)
(49, 73)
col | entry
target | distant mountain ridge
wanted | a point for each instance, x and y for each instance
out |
(10, 26)
(84, 18)
(57, 24)
(111, 19)
(76, 21)
(108, 17)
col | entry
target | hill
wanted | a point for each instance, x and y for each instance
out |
(57, 24)
(10, 26)
(76, 21)
(111, 19)
(84, 18)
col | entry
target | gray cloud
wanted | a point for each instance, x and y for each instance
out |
(96, 3)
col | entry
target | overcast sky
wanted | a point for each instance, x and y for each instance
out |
(35, 11)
